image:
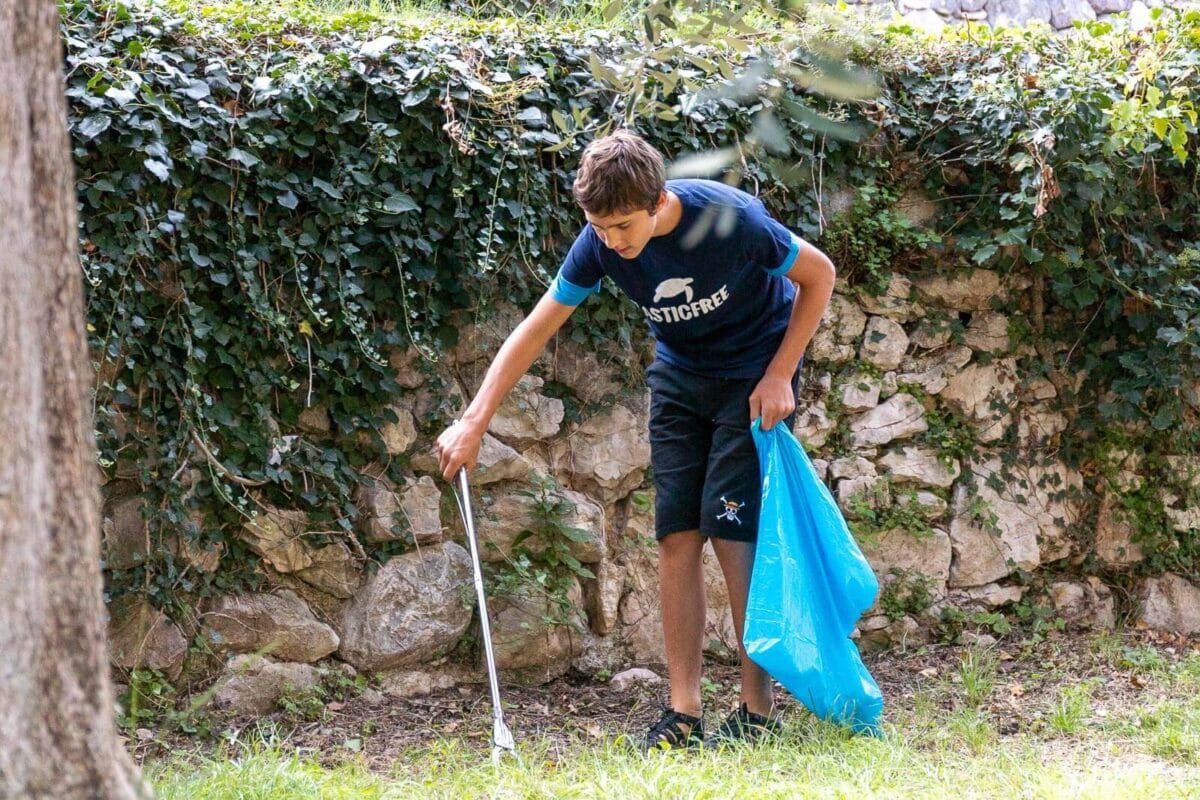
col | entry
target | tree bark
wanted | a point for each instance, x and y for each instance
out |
(58, 736)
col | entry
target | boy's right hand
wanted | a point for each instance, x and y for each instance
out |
(458, 447)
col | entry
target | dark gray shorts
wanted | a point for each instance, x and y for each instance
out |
(705, 464)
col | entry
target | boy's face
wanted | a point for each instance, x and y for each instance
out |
(626, 232)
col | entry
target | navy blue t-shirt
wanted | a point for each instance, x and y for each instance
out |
(712, 290)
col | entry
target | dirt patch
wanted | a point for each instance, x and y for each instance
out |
(1121, 673)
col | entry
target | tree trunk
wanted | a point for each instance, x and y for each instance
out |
(58, 737)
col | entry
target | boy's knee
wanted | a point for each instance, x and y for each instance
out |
(680, 543)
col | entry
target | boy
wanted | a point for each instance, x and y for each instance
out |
(731, 330)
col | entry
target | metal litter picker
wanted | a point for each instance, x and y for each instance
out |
(502, 738)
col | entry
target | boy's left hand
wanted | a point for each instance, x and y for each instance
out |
(773, 400)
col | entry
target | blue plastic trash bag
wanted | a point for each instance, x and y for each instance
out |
(809, 587)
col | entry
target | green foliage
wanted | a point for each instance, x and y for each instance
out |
(303, 702)
(1037, 620)
(910, 592)
(310, 703)
(1031, 620)
(1172, 731)
(1070, 709)
(260, 231)
(1142, 659)
(147, 695)
(953, 621)
(871, 241)
(275, 202)
(150, 699)
(1090, 135)
(885, 507)
(542, 560)
(995, 621)
(950, 434)
(977, 675)
(1121, 464)
(591, 12)
(981, 514)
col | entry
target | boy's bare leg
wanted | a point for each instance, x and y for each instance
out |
(737, 561)
(681, 582)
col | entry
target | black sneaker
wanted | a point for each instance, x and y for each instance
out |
(744, 725)
(669, 732)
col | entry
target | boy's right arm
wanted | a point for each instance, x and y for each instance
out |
(458, 446)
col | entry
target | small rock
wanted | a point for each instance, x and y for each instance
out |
(976, 639)
(623, 681)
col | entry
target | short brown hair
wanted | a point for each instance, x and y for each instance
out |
(619, 173)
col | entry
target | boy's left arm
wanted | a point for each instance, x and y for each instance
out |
(814, 274)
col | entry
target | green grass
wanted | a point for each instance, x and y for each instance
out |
(1173, 731)
(1070, 710)
(921, 756)
(940, 740)
(422, 13)
(264, 16)
(977, 673)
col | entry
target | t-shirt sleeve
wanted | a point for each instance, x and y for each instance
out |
(580, 273)
(769, 244)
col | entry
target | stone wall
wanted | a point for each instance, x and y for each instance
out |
(1058, 14)
(940, 446)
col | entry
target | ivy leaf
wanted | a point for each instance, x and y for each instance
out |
(984, 253)
(399, 203)
(1171, 336)
(225, 333)
(160, 170)
(119, 96)
(1091, 192)
(197, 90)
(532, 115)
(327, 188)
(377, 47)
(198, 258)
(1163, 420)
(576, 534)
(1084, 295)
(415, 98)
(93, 125)
(242, 157)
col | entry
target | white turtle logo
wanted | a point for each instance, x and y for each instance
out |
(672, 287)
